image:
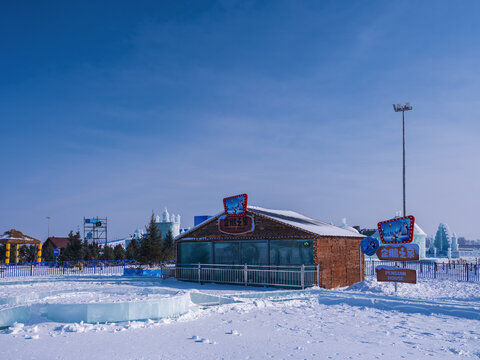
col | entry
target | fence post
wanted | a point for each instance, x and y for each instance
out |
(198, 272)
(245, 274)
(302, 277)
(94, 266)
(63, 267)
(318, 275)
(466, 268)
(31, 269)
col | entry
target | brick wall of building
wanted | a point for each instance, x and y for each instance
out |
(340, 260)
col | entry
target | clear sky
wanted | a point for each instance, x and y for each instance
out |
(118, 108)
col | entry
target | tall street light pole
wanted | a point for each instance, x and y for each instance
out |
(403, 108)
(48, 231)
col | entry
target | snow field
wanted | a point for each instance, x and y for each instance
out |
(264, 324)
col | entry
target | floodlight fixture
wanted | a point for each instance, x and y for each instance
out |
(400, 107)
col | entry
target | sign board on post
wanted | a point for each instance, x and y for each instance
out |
(403, 252)
(56, 252)
(397, 234)
(397, 231)
(394, 274)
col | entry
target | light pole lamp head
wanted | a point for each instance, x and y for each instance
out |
(400, 107)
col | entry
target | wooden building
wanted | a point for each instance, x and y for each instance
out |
(275, 238)
(17, 238)
(54, 242)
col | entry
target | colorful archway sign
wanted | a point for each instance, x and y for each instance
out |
(369, 246)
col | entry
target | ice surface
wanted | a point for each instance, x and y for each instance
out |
(207, 300)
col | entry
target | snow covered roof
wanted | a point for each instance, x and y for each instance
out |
(303, 222)
(417, 230)
(17, 237)
(58, 242)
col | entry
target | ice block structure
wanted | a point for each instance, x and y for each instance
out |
(115, 312)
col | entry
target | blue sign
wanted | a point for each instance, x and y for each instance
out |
(397, 231)
(56, 252)
(369, 246)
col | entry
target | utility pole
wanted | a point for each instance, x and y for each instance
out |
(403, 108)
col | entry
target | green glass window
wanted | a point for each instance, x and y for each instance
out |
(227, 253)
(291, 252)
(255, 253)
(196, 252)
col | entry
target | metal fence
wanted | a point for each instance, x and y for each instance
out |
(285, 276)
(431, 270)
(91, 267)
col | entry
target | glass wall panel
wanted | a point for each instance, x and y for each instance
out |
(254, 253)
(227, 252)
(196, 252)
(291, 252)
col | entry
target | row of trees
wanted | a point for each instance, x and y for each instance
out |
(151, 249)
(81, 250)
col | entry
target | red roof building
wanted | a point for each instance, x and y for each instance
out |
(56, 242)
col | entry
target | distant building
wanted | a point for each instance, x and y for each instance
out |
(112, 243)
(168, 223)
(198, 219)
(56, 242)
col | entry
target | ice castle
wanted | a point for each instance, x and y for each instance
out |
(444, 244)
(168, 223)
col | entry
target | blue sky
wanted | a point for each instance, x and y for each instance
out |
(119, 108)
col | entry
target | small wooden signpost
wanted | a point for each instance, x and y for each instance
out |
(394, 274)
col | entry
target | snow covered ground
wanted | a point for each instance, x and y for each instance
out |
(432, 319)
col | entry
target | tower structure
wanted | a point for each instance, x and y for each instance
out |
(168, 222)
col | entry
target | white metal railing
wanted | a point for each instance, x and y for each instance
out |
(300, 276)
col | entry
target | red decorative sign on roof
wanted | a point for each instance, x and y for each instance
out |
(236, 206)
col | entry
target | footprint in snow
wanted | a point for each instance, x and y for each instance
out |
(200, 340)
(233, 332)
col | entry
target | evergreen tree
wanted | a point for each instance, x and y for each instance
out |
(47, 253)
(87, 253)
(94, 250)
(107, 253)
(27, 253)
(151, 247)
(132, 250)
(119, 252)
(168, 247)
(74, 249)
